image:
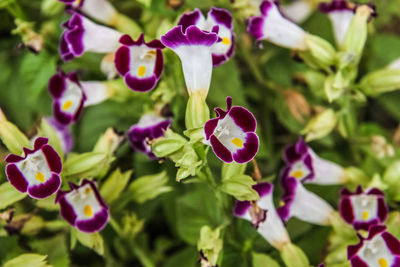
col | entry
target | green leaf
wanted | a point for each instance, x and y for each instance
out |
(11, 136)
(261, 260)
(114, 185)
(194, 210)
(293, 256)
(148, 187)
(93, 241)
(28, 259)
(55, 248)
(9, 195)
(231, 169)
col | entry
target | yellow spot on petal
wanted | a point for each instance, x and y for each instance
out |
(67, 105)
(365, 215)
(282, 203)
(141, 71)
(383, 263)
(40, 177)
(297, 174)
(78, 2)
(237, 142)
(88, 211)
(226, 41)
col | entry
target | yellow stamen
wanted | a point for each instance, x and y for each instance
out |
(237, 142)
(226, 41)
(141, 71)
(78, 2)
(88, 211)
(383, 263)
(282, 203)
(67, 105)
(87, 190)
(297, 174)
(365, 215)
(40, 177)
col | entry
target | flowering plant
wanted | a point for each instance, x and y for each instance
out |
(200, 133)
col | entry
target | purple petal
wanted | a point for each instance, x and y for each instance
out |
(45, 189)
(243, 118)
(220, 151)
(121, 60)
(189, 18)
(16, 178)
(263, 189)
(193, 36)
(335, 5)
(97, 223)
(241, 207)
(140, 85)
(249, 150)
(210, 126)
(221, 16)
(52, 158)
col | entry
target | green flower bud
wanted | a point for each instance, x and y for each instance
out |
(231, 169)
(126, 25)
(321, 125)
(29, 37)
(391, 177)
(167, 145)
(197, 112)
(355, 176)
(11, 136)
(108, 142)
(88, 164)
(322, 51)
(293, 256)
(148, 187)
(240, 186)
(381, 81)
(356, 35)
(210, 244)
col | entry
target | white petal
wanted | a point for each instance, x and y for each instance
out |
(283, 32)
(33, 165)
(81, 198)
(326, 172)
(197, 66)
(100, 10)
(99, 39)
(226, 131)
(272, 229)
(71, 98)
(142, 61)
(96, 92)
(395, 64)
(365, 207)
(374, 250)
(149, 119)
(309, 207)
(341, 21)
(297, 11)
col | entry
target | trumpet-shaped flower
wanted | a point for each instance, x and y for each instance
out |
(221, 51)
(303, 164)
(140, 63)
(38, 172)
(263, 216)
(379, 249)
(341, 13)
(100, 10)
(83, 207)
(71, 95)
(363, 209)
(82, 35)
(300, 203)
(68, 97)
(232, 134)
(148, 128)
(194, 48)
(272, 26)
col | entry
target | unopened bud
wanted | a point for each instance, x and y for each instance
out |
(321, 125)
(297, 104)
(197, 112)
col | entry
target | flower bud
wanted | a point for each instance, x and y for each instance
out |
(88, 164)
(322, 51)
(11, 136)
(356, 35)
(30, 38)
(321, 125)
(380, 81)
(167, 145)
(210, 244)
(240, 186)
(293, 256)
(391, 177)
(197, 112)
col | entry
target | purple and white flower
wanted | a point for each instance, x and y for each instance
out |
(71, 95)
(140, 63)
(38, 172)
(82, 35)
(300, 203)
(100, 10)
(221, 51)
(363, 209)
(63, 134)
(149, 127)
(263, 216)
(83, 207)
(379, 249)
(272, 26)
(232, 134)
(194, 48)
(68, 97)
(297, 11)
(341, 13)
(303, 164)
